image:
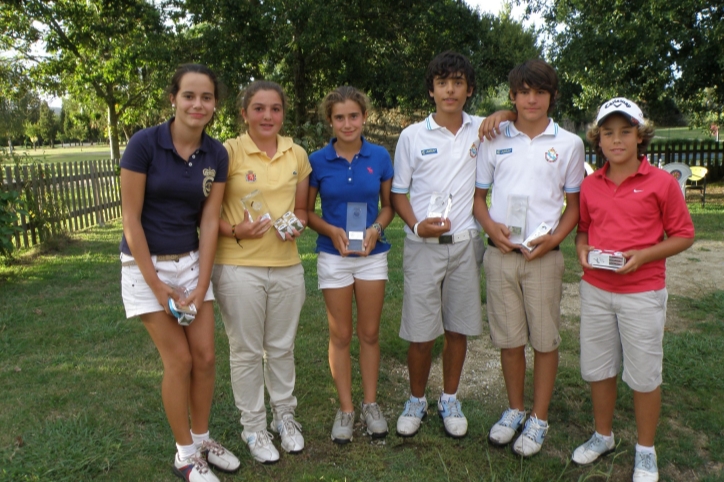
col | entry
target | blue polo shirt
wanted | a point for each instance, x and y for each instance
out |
(340, 181)
(175, 189)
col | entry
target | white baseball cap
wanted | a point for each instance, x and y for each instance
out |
(619, 105)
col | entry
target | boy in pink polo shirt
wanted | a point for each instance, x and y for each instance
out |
(636, 210)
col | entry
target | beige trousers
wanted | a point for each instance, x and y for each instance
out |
(260, 308)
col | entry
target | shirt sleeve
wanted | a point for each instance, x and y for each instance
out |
(138, 154)
(485, 167)
(222, 171)
(584, 216)
(575, 171)
(403, 164)
(674, 212)
(303, 166)
(387, 170)
(313, 176)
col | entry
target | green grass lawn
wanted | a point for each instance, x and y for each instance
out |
(65, 154)
(80, 397)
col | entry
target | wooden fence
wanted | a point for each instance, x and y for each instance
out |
(709, 154)
(63, 196)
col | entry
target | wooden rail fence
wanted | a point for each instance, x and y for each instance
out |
(63, 196)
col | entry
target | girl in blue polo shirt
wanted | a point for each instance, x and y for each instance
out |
(172, 182)
(350, 169)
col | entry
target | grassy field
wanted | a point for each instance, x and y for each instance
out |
(80, 396)
(65, 154)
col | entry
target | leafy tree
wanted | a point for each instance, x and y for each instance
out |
(113, 51)
(47, 125)
(655, 51)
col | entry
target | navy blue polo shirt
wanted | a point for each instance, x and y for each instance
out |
(175, 189)
(340, 181)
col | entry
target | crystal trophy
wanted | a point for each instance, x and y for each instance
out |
(356, 225)
(440, 205)
(184, 314)
(256, 206)
(517, 211)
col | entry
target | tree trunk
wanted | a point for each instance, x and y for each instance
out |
(300, 84)
(113, 131)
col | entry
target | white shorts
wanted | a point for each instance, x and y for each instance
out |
(138, 298)
(338, 272)
(623, 325)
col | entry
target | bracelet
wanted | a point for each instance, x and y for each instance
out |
(414, 229)
(378, 228)
(233, 231)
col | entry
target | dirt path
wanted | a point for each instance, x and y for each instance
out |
(693, 273)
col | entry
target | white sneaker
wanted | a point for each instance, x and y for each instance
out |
(645, 468)
(504, 430)
(261, 447)
(193, 469)
(455, 423)
(374, 420)
(409, 421)
(595, 448)
(290, 432)
(531, 440)
(342, 428)
(219, 457)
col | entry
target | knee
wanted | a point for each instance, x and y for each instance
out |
(421, 348)
(368, 337)
(453, 337)
(178, 365)
(340, 338)
(205, 361)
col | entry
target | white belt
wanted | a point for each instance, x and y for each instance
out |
(458, 237)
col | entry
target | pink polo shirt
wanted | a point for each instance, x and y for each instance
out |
(633, 215)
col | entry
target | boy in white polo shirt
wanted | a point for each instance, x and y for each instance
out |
(531, 166)
(442, 254)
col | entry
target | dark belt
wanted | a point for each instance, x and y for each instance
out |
(161, 257)
(517, 250)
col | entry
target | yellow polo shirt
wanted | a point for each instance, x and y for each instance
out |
(277, 178)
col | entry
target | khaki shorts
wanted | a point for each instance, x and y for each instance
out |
(138, 298)
(442, 289)
(524, 299)
(334, 271)
(623, 324)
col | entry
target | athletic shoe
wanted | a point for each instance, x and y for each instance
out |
(592, 450)
(504, 430)
(261, 447)
(219, 457)
(645, 468)
(342, 427)
(291, 433)
(531, 440)
(412, 416)
(372, 417)
(455, 423)
(193, 469)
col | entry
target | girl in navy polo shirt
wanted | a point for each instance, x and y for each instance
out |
(350, 169)
(172, 182)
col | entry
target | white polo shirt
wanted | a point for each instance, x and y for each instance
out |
(430, 158)
(542, 168)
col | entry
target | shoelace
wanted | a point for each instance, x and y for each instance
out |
(212, 446)
(595, 442)
(534, 431)
(198, 462)
(454, 409)
(290, 425)
(346, 418)
(508, 418)
(263, 437)
(413, 408)
(374, 410)
(646, 461)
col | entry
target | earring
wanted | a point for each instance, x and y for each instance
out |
(214, 109)
(173, 106)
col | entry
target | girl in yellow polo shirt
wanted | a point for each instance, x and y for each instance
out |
(258, 276)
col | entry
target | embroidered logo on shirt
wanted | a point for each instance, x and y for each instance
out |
(250, 176)
(369, 169)
(425, 152)
(473, 150)
(294, 173)
(638, 190)
(503, 151)
(209, 175)
(551, 155)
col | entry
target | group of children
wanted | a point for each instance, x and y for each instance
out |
(629, 214)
